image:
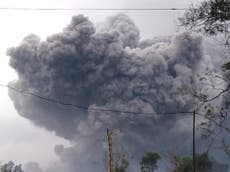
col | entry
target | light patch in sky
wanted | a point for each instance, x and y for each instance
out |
(21, 141)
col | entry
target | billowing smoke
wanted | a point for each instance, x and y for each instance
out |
(32, 167)
(107, 67)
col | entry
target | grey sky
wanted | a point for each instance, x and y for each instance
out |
(21, 141)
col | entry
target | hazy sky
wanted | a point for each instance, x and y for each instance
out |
(21, 141)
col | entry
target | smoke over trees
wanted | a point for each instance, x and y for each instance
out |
(212, 18)
(108, 67)
(149, 162)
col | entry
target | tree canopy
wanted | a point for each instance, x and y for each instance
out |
(149, 162)
(121, 164)
(210, 17)
(203, 164)
(11, 167)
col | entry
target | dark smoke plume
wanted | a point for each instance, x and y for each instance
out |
(107, 67)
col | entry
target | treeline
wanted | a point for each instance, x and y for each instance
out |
(149, 163)
(11, 167)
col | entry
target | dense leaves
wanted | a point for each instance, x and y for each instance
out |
(11, 167)
(210, 17)
(203, 164)
(122, 165)
(149, 162)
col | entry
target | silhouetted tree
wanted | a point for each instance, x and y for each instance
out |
(209, 17)
(212, 18)
(11, 167)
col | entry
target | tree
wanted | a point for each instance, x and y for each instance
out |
(203, 164)
(121, 164)
(175, 159)
(149, 162)
(11, 167)
(209, 17)
(212, 18)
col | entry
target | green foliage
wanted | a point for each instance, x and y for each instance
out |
(212, 18)
(121, 165)
(226, 66)
(203, 163)
(149, 162)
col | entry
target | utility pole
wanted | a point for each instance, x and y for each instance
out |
(110, 142)
(194, 142)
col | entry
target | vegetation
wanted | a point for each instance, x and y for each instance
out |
(212, 18)
(185, 164)
(203, 163)
(149, 162)
(121, 164)
(11, 167)
(209, 17)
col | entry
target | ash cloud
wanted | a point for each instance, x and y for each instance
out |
(32, 167)
(106, 67)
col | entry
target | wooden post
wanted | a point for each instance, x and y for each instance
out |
(194, 143)
(110, 142)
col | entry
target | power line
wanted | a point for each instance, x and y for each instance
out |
(91, 108)
(91, 9)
